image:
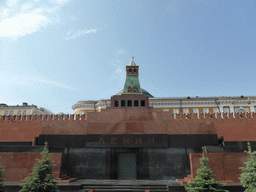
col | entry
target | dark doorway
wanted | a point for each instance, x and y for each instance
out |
(127, 166)
(125, 163)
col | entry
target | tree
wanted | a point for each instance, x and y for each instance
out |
(204, 181)
(248, 175)
(2, 187)
(42, 179)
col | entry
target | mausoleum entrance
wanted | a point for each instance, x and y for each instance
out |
(127, 166)
(125, 163)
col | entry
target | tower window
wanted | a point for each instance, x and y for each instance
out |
(122, 103)
(116, 103)
(130, 70)
(135, 70)
(136, 103)
(129, 103)
(135, 89)
(129, 89)
(142, 103)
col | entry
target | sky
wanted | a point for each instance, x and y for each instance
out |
(54, 53)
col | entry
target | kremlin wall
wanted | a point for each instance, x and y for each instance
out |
(26, 128)
(166, 145)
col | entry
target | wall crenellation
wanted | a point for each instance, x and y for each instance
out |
(42, 118)
(79, 117)
(212, 116)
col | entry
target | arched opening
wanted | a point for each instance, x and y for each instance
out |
(129, 89)
(240, 111)
(135, 89)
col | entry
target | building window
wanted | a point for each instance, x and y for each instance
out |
(206, 110)
(142, 103)
(195, 110)
(11, 112)
(176, 111)
(136, 103)
(129, 89)
(130, 70)
(135, 89)
(185, 111)
(116, 103)
(6, 112)
(240, 111)
(135, 70)
(165, 109)
(19, 112)
(122, 103)
(215, 110)
(129, 103)
(226, 110)
(24, 112)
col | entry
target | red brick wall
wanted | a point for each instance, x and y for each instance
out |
(20, 131)
(26, 128)
(127, 121)
(237, 129)
(224, 165)
(18, 166)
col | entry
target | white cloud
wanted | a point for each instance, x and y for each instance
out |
(52, 83)
(11, 3)
(22, 25)
(73, 35)
(119, 73)
(20, 19)
(8, 78)
(60, 2)
(26, 7)
(4, 12)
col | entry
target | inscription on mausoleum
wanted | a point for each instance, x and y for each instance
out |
(127, 140)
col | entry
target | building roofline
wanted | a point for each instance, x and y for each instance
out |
(197, 97)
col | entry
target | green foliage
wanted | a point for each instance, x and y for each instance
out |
(248, 175)
(204, 181)
(2, 187)
(42, 179)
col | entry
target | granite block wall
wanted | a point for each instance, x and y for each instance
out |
(19, 165)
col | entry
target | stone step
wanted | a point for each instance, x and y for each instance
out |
(120, 190)
(124, 188)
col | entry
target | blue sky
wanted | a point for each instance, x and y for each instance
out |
(55, 53)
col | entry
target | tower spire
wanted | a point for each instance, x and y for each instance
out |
(132, 63)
